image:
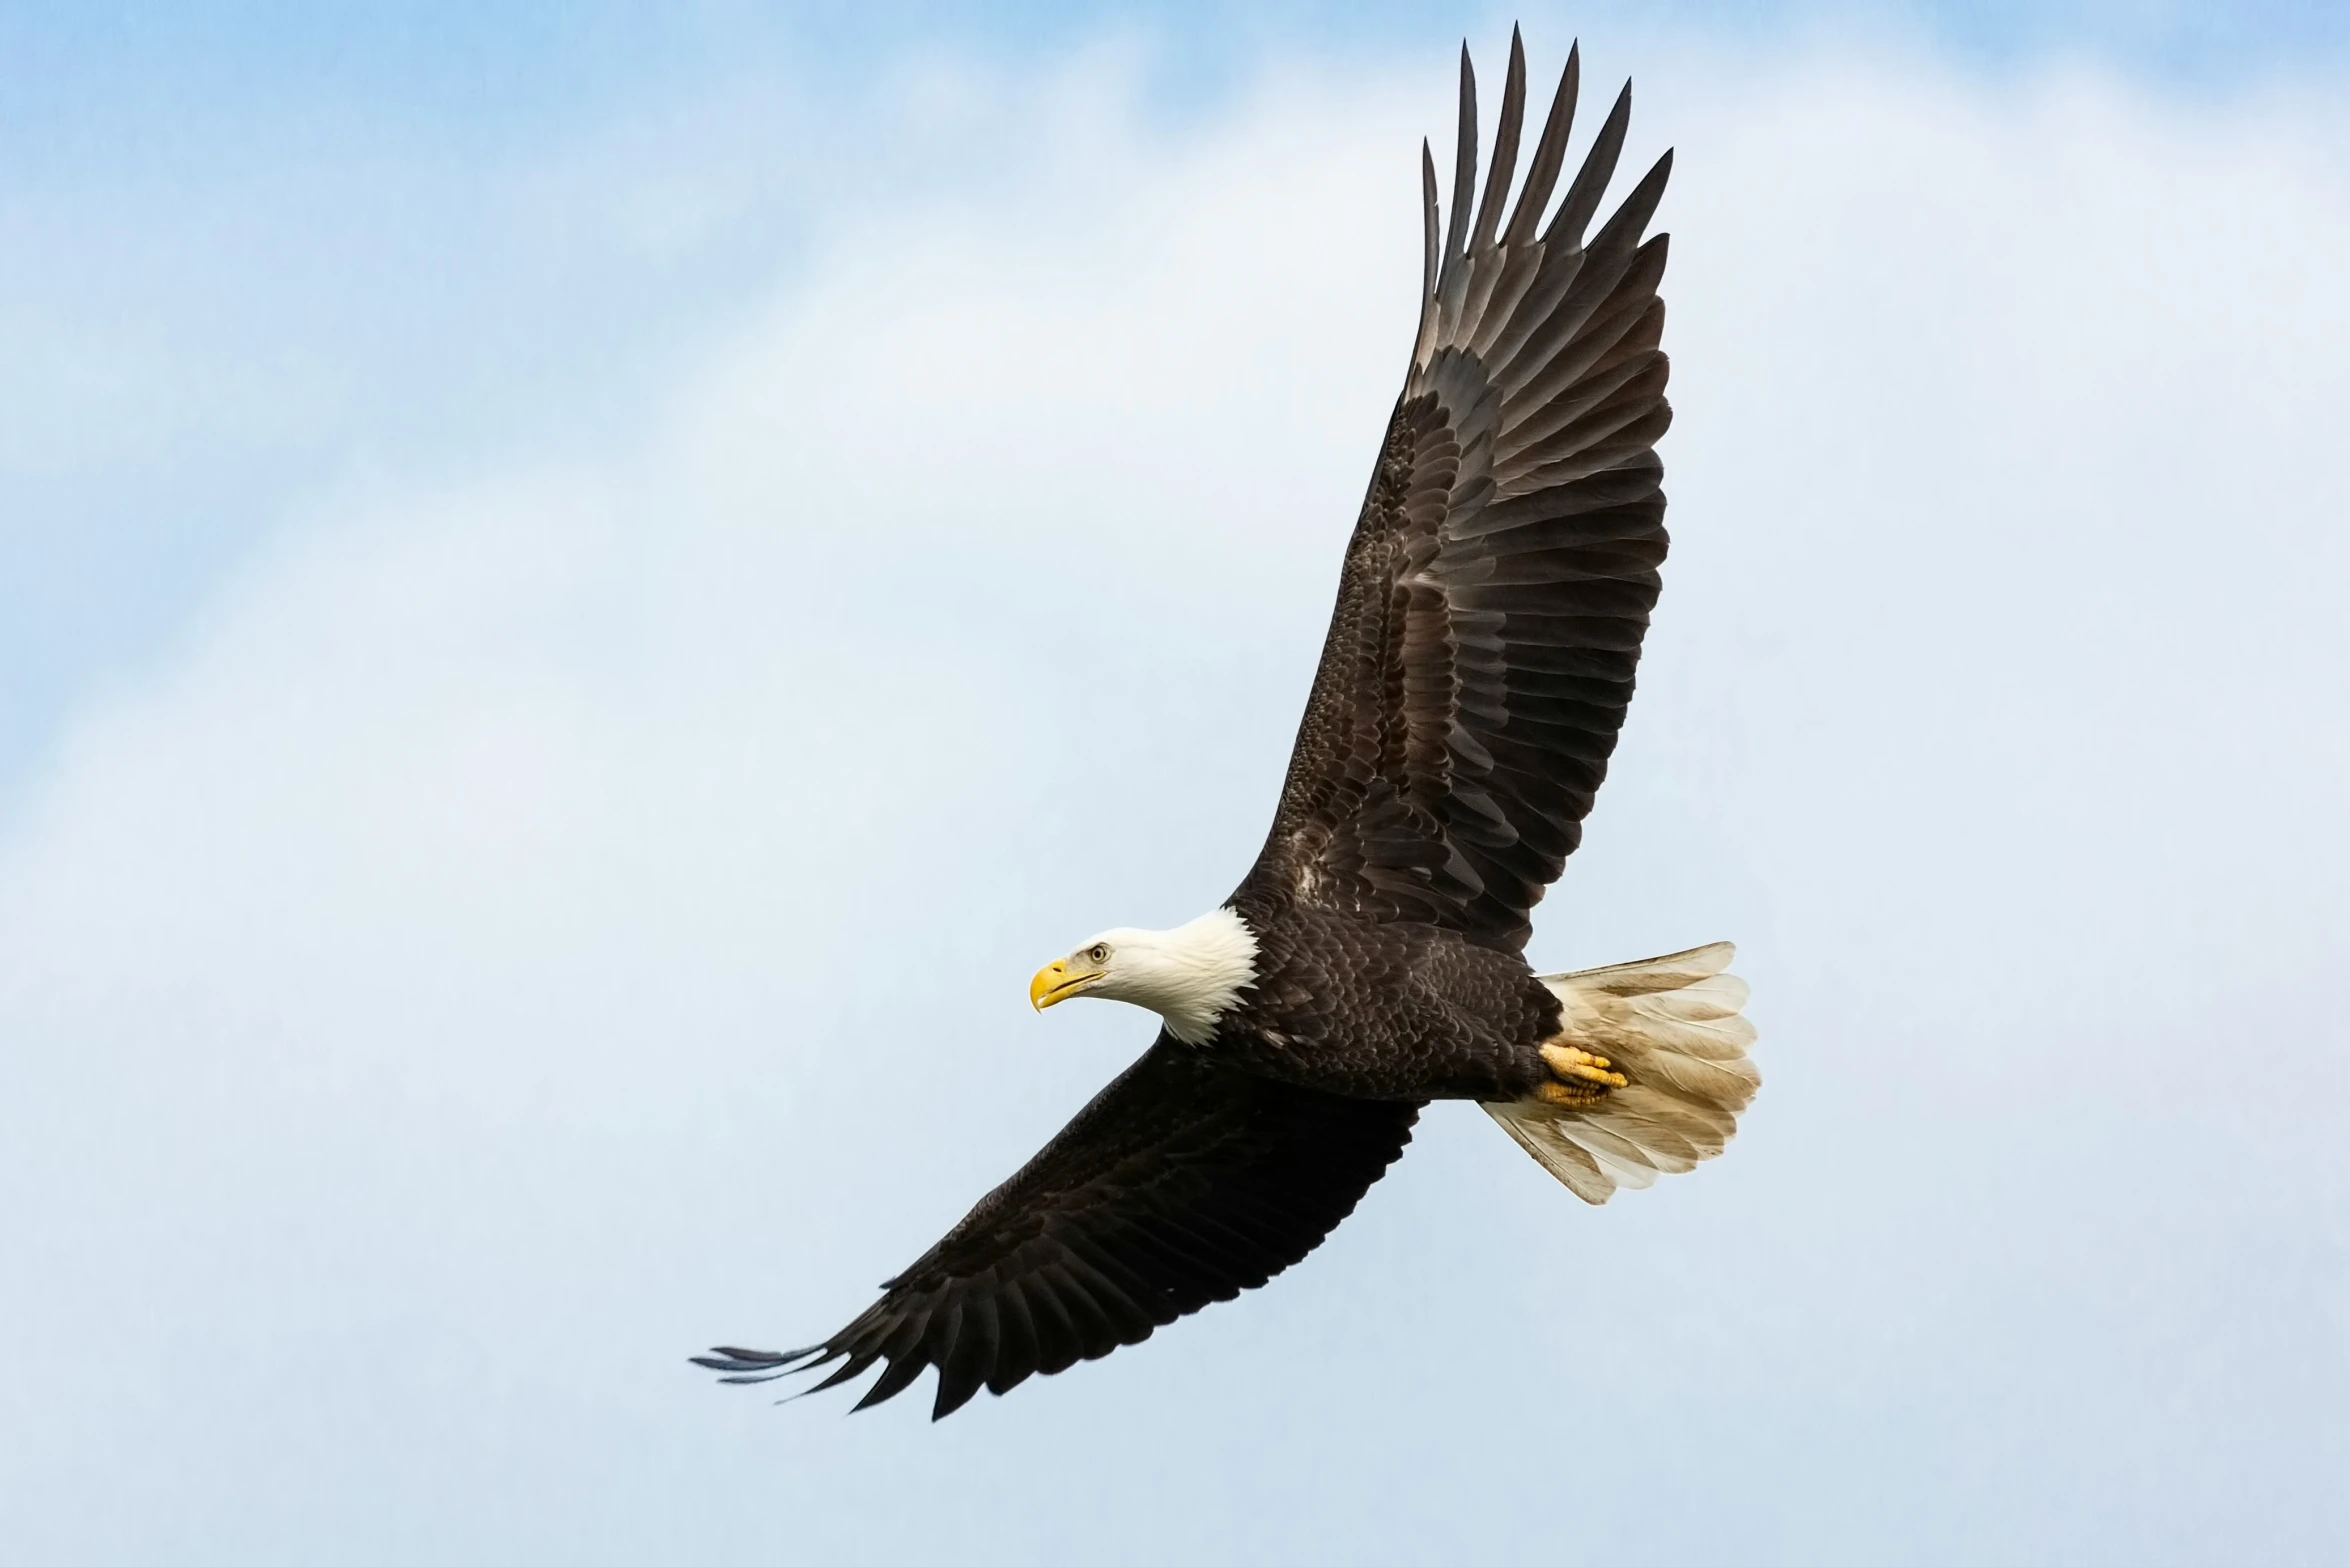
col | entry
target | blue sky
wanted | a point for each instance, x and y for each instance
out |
(157, 163)
(541, 560)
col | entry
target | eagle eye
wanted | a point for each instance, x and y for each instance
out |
(1099, 952)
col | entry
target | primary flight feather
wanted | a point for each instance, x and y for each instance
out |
(1477, 670)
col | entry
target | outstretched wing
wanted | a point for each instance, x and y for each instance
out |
(1183, 1182)
(1499, 581)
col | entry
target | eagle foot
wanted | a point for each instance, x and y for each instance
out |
(1585, 1078)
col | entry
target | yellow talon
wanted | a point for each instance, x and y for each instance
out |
(1573, 1096)
(1567, 1061)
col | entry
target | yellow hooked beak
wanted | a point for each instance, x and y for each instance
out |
(1058, 981)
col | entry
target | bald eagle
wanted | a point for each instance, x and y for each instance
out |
(1477, 670)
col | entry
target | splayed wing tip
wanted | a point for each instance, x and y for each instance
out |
(754, 1365)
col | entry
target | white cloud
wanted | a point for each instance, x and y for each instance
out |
(545, 924)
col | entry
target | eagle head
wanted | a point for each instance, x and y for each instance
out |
(1190, 976)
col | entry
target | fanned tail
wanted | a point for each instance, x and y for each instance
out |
(1671, 1027)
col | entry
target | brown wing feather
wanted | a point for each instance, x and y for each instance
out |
(1182, 1183)
(1499, 581)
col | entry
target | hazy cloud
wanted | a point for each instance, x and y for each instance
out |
(548, 923)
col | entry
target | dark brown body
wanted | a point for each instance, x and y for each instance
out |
(1385, 1011)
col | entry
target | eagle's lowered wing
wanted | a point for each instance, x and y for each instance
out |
(1499, 581)
(1182, 1183)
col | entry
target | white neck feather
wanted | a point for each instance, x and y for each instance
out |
(1190, 976)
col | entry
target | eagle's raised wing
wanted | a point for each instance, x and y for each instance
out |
(1183, 1182)
(1499, 580)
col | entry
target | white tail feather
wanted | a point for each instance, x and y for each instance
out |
(1671, 1026)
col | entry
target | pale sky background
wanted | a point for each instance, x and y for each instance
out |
(582, 599)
